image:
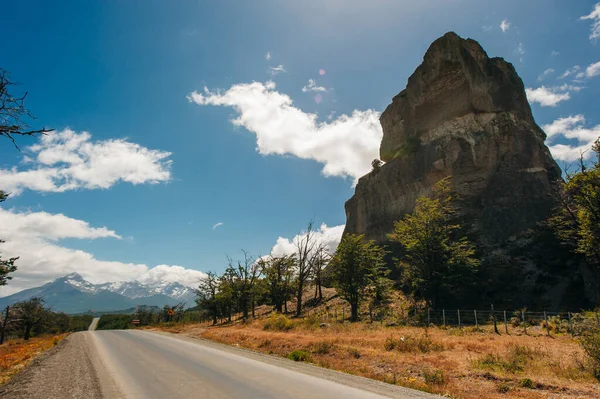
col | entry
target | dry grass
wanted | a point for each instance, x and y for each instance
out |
(16, 354)
(460, 364)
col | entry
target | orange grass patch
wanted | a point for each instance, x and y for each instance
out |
(16, 354)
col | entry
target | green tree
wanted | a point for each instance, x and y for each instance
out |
(576, 221)
(356, 266)
(206, 295)
(437, 260)
(6, 265)
(278, 280)
(33, 315)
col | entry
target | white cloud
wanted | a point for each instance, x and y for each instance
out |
(546, 97)
(571, 128)
(34, 236)
(487, 28)
(268, 56)
(592, 70)
(570, 71)
(172, 274)
(545, 74)
(276, 70)
(346, 145)
(329, 236)
(312, 86)
(217, 225)
(594, 16)
(505, 25)
(68, 160)
(520, 51)
(554, 53)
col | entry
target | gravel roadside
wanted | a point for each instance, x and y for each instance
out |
(65, 371)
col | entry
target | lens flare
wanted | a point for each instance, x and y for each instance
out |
(321, 72)
(318, 98)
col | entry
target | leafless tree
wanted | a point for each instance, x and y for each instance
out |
(13, 114)
(319, 260)
(305, 251)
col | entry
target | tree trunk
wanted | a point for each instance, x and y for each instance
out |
(299, 299)
(353, 311)
(27, 332)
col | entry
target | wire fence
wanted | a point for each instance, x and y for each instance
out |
(573, 323)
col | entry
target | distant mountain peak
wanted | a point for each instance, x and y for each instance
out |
(74, 294)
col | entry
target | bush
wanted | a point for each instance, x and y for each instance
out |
(516, 359)
(527, 383)
(422, 343)
(299, 356)
(435, 377)
(590, 342)
(322, 348)
(354, 352)
(278, 322)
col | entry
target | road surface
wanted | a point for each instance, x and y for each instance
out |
(133, 364)
(94, 324)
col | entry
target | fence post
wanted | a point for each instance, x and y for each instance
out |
(494, 318)
(458, 313)
(523, 318)
(476, 321)
(428, 317)
(444, 317)
(505, 323)
(546, 320)
(570, 325)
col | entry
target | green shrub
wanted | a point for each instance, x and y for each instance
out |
(299, 356)
(278, 322)
(323, 347)
(503, 387)
(590, 342)
(422, 343)
(515, 361)
(527, 383)
(434, 377)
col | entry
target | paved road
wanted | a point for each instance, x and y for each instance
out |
(148, 365)
(94, 324)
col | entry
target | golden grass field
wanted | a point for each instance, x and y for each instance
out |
(459, 363)
(16, 354)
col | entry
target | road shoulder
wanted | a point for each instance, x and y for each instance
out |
(64, 371)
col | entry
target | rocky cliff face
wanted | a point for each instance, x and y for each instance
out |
(463, 115)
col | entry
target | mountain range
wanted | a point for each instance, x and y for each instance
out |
(73, 294)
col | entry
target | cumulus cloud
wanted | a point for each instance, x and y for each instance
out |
(312, 86)
(217, 225)
(35, 236)
(591, 71)
(571, 128)
(329, 236)
(505, 25)
(571, 71)
(595, 17)
(68, 160)
(276, 70)
(546, 97)
(545, 74)
(345, 146)
(172, 274)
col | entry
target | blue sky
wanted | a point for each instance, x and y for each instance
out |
(133, 75)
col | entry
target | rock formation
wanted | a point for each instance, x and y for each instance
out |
(463, 115)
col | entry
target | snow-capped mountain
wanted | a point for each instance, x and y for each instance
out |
(73, 294)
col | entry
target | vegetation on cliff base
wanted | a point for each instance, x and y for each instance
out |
(576, 221)
(437, 260)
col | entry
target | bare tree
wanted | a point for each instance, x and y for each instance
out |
(320, 259)
(13, 114)
(6, 265)
(305, 249)
(207, 295)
